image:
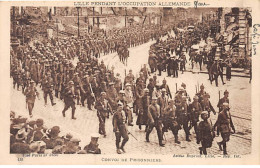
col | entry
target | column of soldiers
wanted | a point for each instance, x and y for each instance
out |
(92, 82)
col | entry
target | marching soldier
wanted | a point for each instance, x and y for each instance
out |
(170, 120)
(183, 116)
(154, 120)
(224, 122)
(112, 96)
(120, 128)
(166, 87)
(195, 110)
(225, 99)
(77, 84)
(31, 93)
(205, 133)
(121, 98)
(69, 96)
(47, 86)
(206, 104)
(103, 109)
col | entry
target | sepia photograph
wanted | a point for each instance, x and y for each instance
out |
(112, 82)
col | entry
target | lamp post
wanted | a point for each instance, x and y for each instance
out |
(78, 21)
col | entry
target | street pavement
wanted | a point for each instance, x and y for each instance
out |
(87, 121)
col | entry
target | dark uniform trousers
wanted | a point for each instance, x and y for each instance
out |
(69, 102)
(154, 115)
(48, 91)
(120, 129)
(102, 121)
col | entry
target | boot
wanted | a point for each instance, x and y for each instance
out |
(187, 138)
(122, 148)
(176, 139)
(147, 138)
(73, 117)
(161, 144)
(200, 148)
(63, 113)
(118, 151)
(219, 146)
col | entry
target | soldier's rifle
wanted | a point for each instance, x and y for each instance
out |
(132, 135)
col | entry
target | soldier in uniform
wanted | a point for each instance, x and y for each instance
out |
(92, 147)
(112, 96)
(170, 120)
(154, 120)
(69, 96)
(195, 110)
(120, 128)
(77, 84)
(224, 122)
(205, 133)
(47, 86)
(31, 93)
(183, 116)
(166, 87)
(103, 109)
(225, 99)
(206, 104)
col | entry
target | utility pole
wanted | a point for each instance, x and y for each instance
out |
(57, 28)
(93, 16)
(125, 16)
(78, 22)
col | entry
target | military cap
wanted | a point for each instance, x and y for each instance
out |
(204, 112)
(127, 84)
(95, 136)
(154, 98)
(21, 134)
(146, 90)
(85, 76)
(39, 122)
(226, 92)
(32, 81)
(68, 136)
(183, 85)
(202, 86)
(119, 103)
(122, 92)
(71, 83)
(163, 90)
(55, 130)
(103, 93)
(111, 83)
(195, 97)
(76, 73)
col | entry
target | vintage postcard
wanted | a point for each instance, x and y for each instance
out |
(130, 82)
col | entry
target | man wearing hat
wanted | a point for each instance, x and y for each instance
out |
(31, 93)
(154, 120)
(77, 83)
(120, 129)
(103, 108)
(92, 147)
(121, 98)
(205, 133)
(166, 87)
(225, 123)
(195, 110)
(225, 99)
(112, 96)
(183, 116)
(69, 96)
(206, 104)
(170, 120)
(47, 86)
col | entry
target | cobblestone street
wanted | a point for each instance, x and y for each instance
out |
(87, 121)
